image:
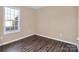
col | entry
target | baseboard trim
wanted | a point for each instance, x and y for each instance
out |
(77, 38)
(78, 48)
(78, 44)
(38, 35)
(57, 39)
(16, 39)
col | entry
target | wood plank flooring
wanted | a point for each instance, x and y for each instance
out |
(38, 44)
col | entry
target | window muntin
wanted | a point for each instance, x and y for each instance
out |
(12, 20)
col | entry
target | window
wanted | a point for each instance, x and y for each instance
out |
(12, 20)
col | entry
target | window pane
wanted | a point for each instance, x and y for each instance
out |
(12, 28)
(16, 27)
(16, 23)
(8, 23)
(16, 18)
(12, 17)
(7, 28)
(12, 11)
(8, 10)
(17, 12)
(5, 13)
(8, 17)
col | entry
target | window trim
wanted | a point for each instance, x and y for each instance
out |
(19, 23)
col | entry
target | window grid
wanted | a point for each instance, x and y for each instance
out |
(12, 19)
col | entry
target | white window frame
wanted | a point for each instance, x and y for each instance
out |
(14, 31)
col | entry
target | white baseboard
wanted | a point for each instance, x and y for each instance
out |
(78, 48)
(35, 34)
(57, 39)
(78, 44)
(15, 40)
(77, 38)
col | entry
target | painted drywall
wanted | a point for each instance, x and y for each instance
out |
(57, 22)
(27, 25)
(78, 27)
(78, 22)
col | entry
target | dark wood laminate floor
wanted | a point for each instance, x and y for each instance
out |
(38, 44)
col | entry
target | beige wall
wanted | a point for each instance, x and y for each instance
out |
(78, 27)
(27, 25)
(78, 21)
(58, 22)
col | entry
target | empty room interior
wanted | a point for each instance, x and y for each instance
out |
(39, 28)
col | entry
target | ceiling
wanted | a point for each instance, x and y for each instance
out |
(37, 7)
